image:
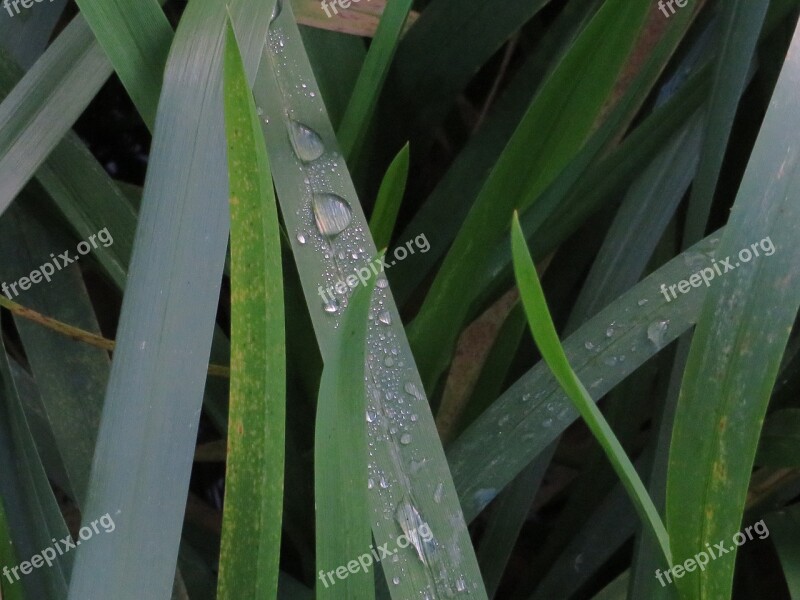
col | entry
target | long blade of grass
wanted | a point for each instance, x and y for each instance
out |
(251, 533)
(407, 464)
(340, 460)
(737, 347)
(390, 196)
(136, 36)
(152, 404)
(544, 332)
(358, 114)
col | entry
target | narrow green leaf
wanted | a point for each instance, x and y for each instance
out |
(737, 346)
(343, 515)
(390, 196)
(544, 332)
(358, 114)
(8, 558)
(136, 36)
(251, 534)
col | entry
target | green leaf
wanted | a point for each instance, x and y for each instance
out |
(147, 435)
(784, 531)
(390, 196)
(358, 114)
(136, 36)
(737, 347)
(544, 332)
(308, 165)
(550, 134)
(340, 461)
(251, 534)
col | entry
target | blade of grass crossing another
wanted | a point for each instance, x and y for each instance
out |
(251, 532)
(738, 345)
(340, 461)
(390, 196)
(544, 333)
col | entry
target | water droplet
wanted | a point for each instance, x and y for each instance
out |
(405, 439)
(589, 345)
(371, 416)
(331, 213)
(656, 331)
(383, 283)
(276, 10)
(301, 239)
(610, 360)
(385, 318)
(306, 142)
(370, 483)
(642, 302)
(389, 362)
(383, 483)
(461, 585)
(437, 493)
(396, 580)
(610, 330)
(330, 305)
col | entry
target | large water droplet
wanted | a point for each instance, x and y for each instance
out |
(461, 585)
(330, 305)
(301, 239)
(385, 318)
(656, 332)
(405, 439)
(331, 213)
(306, 142)
(396, 580)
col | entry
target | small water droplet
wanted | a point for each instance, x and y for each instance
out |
(461, 585)
(383, 283)
(588, 345)
(396, 580)
(383, 483)
(385, 318)
(642, 302)
(389, 362)
(405, 439)
(332, 214)
(301, 239)
(610, 330)
(656, 331)
(371, 415)
(306, 142)
(370, 483)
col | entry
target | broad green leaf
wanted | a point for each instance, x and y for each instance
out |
(544, 332)
(340, 463)
(154, 394)
(737, 347)
(390, 196)
(407, 463)
(251, 535)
